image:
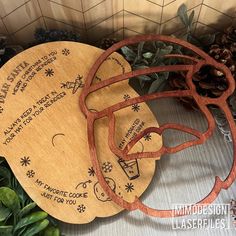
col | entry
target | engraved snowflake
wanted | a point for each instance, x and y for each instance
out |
(126, 97)
(147, 137)
(107, 167)
(81, 208)
(30, 173)
(25, 161)
(49, 72)
(136, 107)
(65, 51)
(129, 187)
(91, 171)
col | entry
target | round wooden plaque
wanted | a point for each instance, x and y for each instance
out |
(44, 134)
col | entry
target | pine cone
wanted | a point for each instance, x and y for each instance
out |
(107, 42)
(214, 83)
(209, 81)
(222, 55)
(228, 39)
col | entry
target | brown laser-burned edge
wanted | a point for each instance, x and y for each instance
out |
(201, 101)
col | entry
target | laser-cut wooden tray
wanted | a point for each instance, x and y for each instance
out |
(44, 136)
(191, 63)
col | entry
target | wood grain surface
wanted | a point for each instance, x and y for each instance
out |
(44, 137)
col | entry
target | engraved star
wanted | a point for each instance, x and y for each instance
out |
(129, 187)
(136, 107)
(49, 72)
(126, 97)
(147, 137)
(91, 171)
(25, 161)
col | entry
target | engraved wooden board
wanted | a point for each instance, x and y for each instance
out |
(43, 132)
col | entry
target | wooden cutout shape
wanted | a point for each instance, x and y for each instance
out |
(195, 65)
(44, 138)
